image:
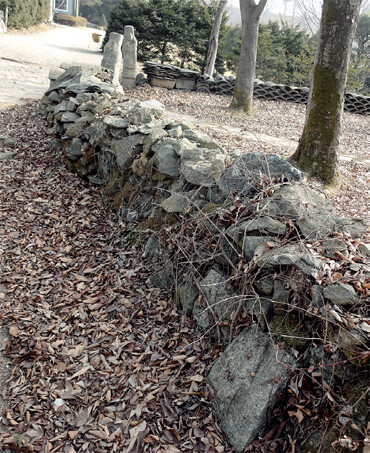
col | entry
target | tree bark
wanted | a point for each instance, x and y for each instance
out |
(163, 52)
(318, 145)
(213, 40)
(243, 92)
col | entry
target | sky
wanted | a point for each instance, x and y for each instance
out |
(291, 10)
(281, 6)
(288, 6)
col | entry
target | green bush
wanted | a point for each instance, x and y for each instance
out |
(170, 31)
(26, 13)
(71, 21)
(94, 10)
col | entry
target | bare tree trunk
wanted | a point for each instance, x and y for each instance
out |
(318, 145)
(213, 40)
(51, 11)
(243, 92)
(163, 52)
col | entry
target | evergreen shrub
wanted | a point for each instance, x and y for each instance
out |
(26, 13)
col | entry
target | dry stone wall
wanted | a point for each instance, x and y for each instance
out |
(169, 76)
(247, 247)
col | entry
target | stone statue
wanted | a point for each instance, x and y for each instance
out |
(112, 55)
(129, 53)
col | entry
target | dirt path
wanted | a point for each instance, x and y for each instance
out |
(26, 58)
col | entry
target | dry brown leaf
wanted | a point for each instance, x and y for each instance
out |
(82, 417)
(14, 331)
(135, 433)
(72, 434)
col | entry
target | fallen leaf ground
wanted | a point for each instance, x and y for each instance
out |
(101, 361)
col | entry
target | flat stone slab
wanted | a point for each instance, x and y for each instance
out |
(162, 83)
(185, 84)
(249, 378)
(6, 156)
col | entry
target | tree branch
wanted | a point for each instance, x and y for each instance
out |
(260, 6)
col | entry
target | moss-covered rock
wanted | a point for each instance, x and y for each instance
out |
(154, 223)
(88, 156)
(289, 329)
(129, 192)
(112, 188)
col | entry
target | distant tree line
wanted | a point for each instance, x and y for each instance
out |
(171, 31)
(177, 32)
(26, 13)
(286, 54)
(97, 11)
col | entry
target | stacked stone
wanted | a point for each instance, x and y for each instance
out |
(357, 103)
(153, 168)
(74, 99)
(202, 85)
(170, 76)
(278, 92)
(159, 71)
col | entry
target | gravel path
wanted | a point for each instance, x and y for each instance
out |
(26, 58)
(20, 81)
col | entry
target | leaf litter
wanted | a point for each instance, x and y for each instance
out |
(101, 360)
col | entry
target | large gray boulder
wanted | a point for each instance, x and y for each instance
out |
(245, 173)
(126, 149)
(262, 225)
(341, 294)
(219, 302)
(203, 140)
(249, 378)
(166, 157)
(146, 112)
(312, 212)
(116, 122)
(289, 255)
(202, 166)
(179, 202)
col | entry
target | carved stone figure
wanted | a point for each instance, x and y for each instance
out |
(129, 53)
(112, 55)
